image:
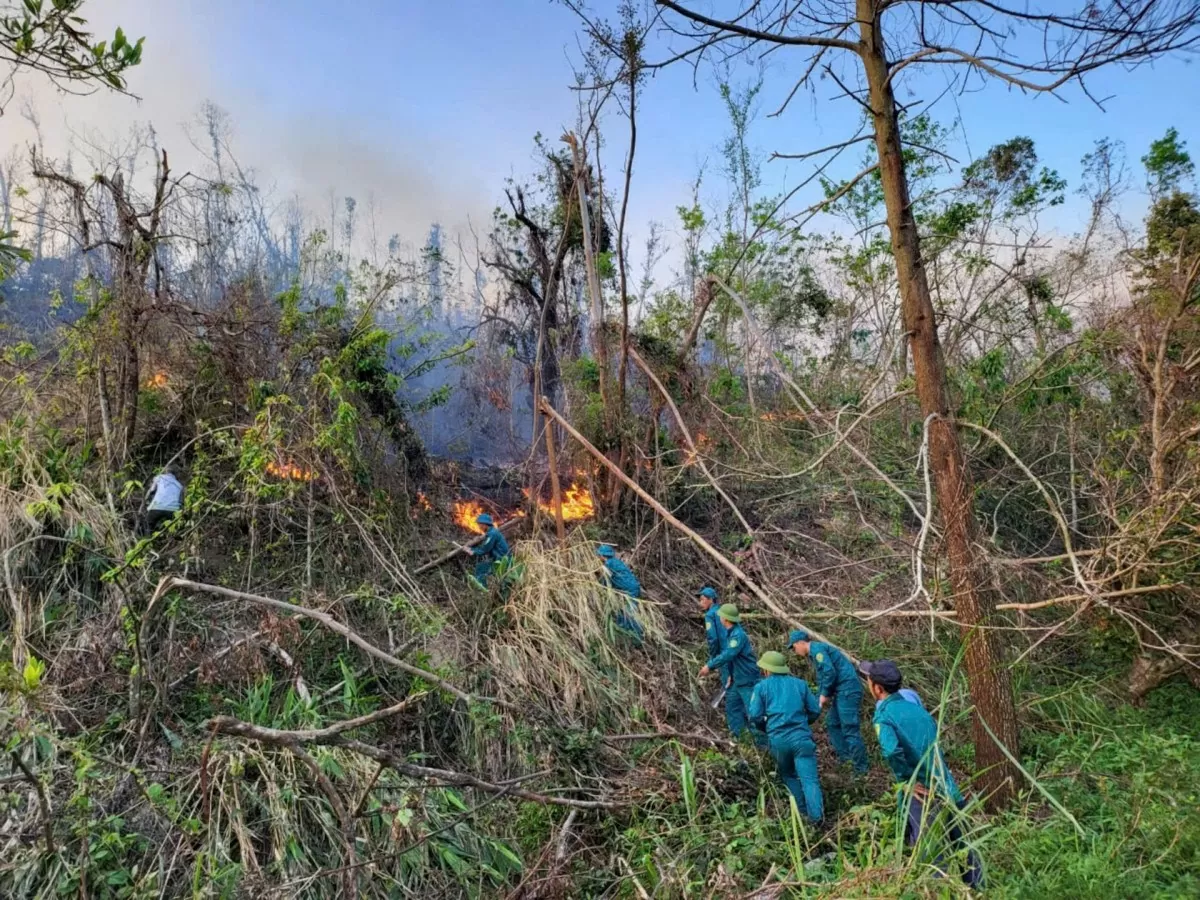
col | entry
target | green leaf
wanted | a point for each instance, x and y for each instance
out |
(32, 675)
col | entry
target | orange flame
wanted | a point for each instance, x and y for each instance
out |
(289, 471)
(465, 514)
(577, 503)
(157, 380)
(421, 505)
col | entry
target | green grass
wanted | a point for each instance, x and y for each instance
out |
(1130, 777)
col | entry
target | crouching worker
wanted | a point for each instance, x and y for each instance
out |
(736, 663)
(164, 499)
(841, 694)
(621, 579)
(788, 708)
(908, 738)
(489, 551)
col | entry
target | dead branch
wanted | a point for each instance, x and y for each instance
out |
(670, 734)
(42, 799)
(279, 738)
(169, 583)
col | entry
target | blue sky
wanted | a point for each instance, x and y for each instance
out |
(432, 104)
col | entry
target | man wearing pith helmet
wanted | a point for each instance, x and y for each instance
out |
(737, 659)
(841, 694)
(908, 738)
(787, 707)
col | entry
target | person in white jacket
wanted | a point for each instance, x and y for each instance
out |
(164, 499)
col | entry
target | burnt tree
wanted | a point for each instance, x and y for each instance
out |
(107, 215)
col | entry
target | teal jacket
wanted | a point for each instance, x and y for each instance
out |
(714, 631)
(787, 704)
(834, 671)
(493, 545)
(622, 579)
(908, 738)
(736, 658)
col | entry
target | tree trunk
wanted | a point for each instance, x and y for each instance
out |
(987, 676)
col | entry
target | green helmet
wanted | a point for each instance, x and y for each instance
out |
(729, 612)
(773, 661)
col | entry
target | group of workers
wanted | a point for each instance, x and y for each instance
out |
(763, 700)
(777, 710)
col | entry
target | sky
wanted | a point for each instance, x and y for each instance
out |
(430, 104)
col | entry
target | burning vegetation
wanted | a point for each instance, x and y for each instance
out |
(290, 471)
(466, 512)
(578, 504)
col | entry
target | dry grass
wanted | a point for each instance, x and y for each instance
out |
(562, 648)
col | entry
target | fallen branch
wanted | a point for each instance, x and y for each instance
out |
(564, 836)
(321, 735)
(1099, 595)
(279, 738)
(445, 558)
(170, 582)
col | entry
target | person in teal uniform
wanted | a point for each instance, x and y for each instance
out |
(786, 708)
(490, 550)
(737, 664)
(908, 737)
(621, 579)
(841, 695)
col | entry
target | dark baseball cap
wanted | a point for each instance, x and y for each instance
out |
(884, 673)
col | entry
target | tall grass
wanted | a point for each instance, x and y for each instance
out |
(560, 647)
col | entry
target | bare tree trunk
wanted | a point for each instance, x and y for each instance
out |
(987, 676)
(593, 276)
(624, 362)
(693, 331)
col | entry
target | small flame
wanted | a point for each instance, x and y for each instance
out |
(577, 503)
(420, 505)
(157, 380)
(289, 471)
(465, 514)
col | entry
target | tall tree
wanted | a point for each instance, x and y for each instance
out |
(1029, 45)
